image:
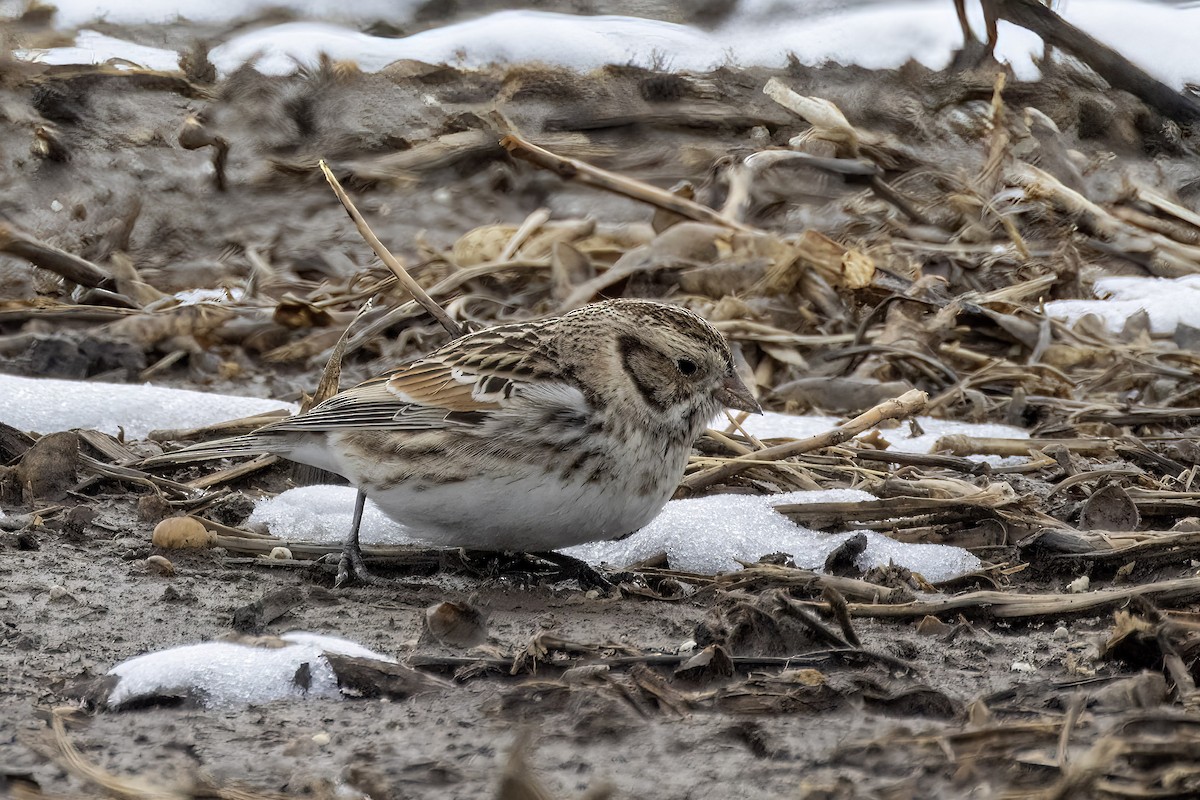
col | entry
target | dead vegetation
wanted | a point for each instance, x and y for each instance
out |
(874, 259)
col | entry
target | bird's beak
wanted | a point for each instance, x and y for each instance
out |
(734, 394)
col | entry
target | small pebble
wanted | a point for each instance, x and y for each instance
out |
(321, 739)
(1080, 584)
(160, 566)
(280, 552)
(181, 532)
(457, 623)
(932, 626)
(1062, 633)
(1023, 666)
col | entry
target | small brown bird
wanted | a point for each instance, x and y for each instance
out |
(529, 436)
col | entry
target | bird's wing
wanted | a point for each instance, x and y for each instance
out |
(453, 387)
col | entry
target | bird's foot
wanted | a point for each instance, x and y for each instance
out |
(353, 569)
(570, 567)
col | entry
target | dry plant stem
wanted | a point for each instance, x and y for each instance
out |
(920, 460)
(1161, 256)
(70, 759)
(442, 287)
(233, 427)
(131, 475)
(888, 194)
(841, 613)
(574, 169)
(960, 445)
(823, 515)
(388, 259)
(529, 227)
(1107, 62)
(1166, 206)
(907, 404)
(332, 376)
(233, 473)
(40, 254)
(1010, 605)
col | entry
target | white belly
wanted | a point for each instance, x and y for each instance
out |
(527, 513)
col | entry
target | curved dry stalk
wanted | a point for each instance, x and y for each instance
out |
(574, 169)
(907, 404)
(390, 261)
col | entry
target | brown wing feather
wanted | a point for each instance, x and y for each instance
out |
(434, 383)
(475, 375)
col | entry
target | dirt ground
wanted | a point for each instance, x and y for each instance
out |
(960, 702)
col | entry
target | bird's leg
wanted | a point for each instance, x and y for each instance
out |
(351, 563)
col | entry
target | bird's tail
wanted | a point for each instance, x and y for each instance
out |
(250, 444)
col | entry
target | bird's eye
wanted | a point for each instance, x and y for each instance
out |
(686, 366)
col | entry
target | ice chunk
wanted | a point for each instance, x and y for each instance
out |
(229, 673)
(45, 405)
(1169, 302)
(708, 534)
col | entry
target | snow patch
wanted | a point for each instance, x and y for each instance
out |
(47, 405)
(705, 535)
(223, 674)
(1169, 302)
(1156, 36)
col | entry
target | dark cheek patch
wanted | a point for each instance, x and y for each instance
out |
(630, 349)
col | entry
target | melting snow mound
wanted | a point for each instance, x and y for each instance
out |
(1169, 303)
(46, 405)
(223, 674)
(705, 535)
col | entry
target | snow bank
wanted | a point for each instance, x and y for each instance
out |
(1157, 36)
(45, 405)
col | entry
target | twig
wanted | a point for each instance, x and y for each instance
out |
(812, 658)
(907, 404)
(574, 169)
(824, 515)
(40, 254)
(1107, 62)
(841, 613)
(962, 445)
(389, 260)
(1012, 606)
(70, 759)
(956, 463)
(232, 427)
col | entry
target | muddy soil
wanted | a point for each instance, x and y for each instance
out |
(77, 598)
